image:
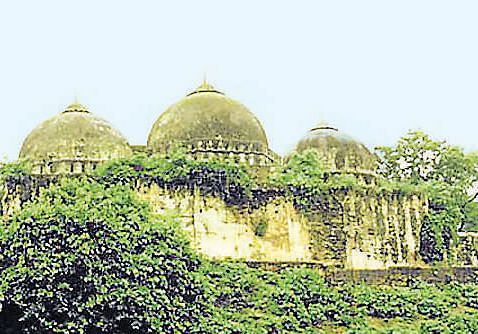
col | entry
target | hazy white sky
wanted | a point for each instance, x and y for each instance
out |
(373, 68)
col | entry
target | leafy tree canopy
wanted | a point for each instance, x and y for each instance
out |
(416, 158)
(445, 173)
(86, 257)
(308, 170)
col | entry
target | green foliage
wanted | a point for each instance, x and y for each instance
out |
(307, 170)
(441, 171)
(471, 217)
(401, 187)
(302, 300)
(422, 299)
(304, 169)
(342, 181)
(468, 295)
(260, 228)
(233, 289)
(417, 158)
(90, 256)
(466, 322)
(299, 301)
(173, 166)
(16, 168)
(294, 301)
(13, 169)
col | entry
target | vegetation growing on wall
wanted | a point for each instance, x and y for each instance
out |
(11, 172)
(446, 174)
(415, 165)
(307, 170)
(172, 167)
(13, 169)
(87, 257)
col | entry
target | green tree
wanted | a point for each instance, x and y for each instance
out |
(445, 172)
(87, 257)
(304, 169)
(416, 158)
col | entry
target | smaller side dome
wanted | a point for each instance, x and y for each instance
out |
(340, 151)
(73, 141)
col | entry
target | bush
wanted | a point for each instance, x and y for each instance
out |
(423, 299)
(302, 300)
(88, 258)
(463, 323)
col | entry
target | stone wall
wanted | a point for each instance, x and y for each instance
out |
(344, 230)
(402, 276)
(393, 276)
(221, 231)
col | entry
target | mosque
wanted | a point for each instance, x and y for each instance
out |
(355, 230)
(206, 122)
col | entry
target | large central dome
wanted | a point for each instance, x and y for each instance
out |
(206, 114)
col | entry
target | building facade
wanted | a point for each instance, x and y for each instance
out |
(353, 229)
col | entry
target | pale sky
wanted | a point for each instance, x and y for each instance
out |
(375, 69)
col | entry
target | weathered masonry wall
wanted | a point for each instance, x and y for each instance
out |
(338, 229)
(346, 230)
(402, 276)
(367, 230)
(398, 276)
(222, 231)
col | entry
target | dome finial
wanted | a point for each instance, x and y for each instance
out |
(205, 87)
(323, 124)
(75, 106)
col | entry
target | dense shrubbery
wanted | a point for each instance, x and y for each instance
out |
(294, 301)
(307, 170)
(87, 257)
(466, 322)
(173, 167)
(405, 302)
(300, 301)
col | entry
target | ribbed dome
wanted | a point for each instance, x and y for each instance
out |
(345, 152)
(74, 134)
(205, 113)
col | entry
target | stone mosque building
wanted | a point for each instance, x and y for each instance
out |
(363, 231)
(206, 122)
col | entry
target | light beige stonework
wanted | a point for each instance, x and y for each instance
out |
(372, 232)
(352, 229)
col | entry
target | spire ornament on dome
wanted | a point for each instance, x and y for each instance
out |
(76, 106)
(323, 125)
(205, 87)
